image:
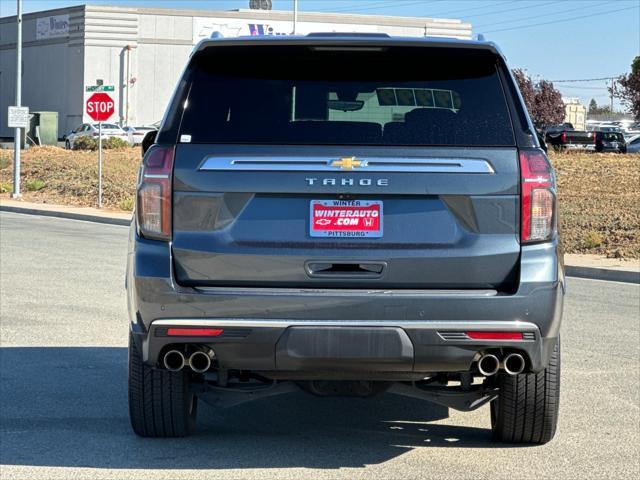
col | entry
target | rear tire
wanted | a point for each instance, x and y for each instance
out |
(526, 410)
(160, 403)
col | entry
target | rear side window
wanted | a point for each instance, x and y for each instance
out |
(318, 96)
(612, 137)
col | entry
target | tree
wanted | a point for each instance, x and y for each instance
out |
(543, 100)
(629, 91)
(595, 109)
(549, 105)
(526, 88)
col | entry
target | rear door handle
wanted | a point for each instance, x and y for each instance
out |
(344, 269)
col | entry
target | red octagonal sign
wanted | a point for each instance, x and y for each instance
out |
(100, 107)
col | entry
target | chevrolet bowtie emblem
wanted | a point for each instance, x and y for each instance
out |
(347, 163)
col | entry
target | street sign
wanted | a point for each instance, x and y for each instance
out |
(100, 88)
(100, 107)
(18, 117)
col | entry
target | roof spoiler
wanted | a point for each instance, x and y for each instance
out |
(348, 34)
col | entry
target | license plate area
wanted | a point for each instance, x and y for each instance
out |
(346, 218)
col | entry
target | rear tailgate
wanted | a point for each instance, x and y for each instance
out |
(282, 131)
(580, 138)
(445, 230)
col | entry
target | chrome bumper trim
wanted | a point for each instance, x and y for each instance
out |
(276, 323)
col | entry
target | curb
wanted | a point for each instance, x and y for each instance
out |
(594, 273)
(591, 273)
(70, 215)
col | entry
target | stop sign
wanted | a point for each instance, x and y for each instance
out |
(100, 107)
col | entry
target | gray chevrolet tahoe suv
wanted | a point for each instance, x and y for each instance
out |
(346, 215)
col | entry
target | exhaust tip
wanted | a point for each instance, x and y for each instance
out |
(200, 361)
(488, 365)
(514, 364)
(174, 360)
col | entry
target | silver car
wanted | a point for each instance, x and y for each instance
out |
(135, 135)
(91, 130)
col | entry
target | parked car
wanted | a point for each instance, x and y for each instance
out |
(609, 128)
(564, 137)
(136, 134)
(91, 130)
(633, 144)
(325, 216)
(610, 142)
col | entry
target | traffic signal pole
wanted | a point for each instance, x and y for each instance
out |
(18, 136)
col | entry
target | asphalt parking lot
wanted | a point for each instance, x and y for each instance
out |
(63, 402)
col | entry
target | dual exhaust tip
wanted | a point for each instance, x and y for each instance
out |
(489, 364)
(199, 361)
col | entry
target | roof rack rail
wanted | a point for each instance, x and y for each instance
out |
(348, 34)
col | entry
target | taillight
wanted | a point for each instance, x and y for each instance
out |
(538, 200)
(154, 193)
(563, 137)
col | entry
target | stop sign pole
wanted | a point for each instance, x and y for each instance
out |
(100, 107)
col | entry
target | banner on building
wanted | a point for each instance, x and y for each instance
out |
(52, 27)
(230, 27)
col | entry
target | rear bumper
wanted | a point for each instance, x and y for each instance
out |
(347, 349)
(357, 333)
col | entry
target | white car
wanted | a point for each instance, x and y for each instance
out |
(136, 134)
(633, 144)
(91, 130)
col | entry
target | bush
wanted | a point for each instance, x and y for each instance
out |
(4, 162)
(115, 142)
(91, 143)
(6, 187)
(85, 143)
(592, 240)
(126, 204)
(34, 185)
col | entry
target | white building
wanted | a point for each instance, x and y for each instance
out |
(142, 51)
(574, 112)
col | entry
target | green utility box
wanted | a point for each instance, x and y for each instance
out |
(43, 128)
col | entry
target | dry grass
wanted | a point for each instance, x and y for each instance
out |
(599, 202)
(71, 177)
(599, 194)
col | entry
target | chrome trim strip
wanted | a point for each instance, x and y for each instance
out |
(344, 292)
(155, 175)
(488, 325)
(367, 164)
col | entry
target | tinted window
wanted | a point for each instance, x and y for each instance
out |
(612, 137)
(299, 95)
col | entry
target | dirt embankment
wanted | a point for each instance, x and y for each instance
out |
(56, 175)
(599, 203)
(598, 194)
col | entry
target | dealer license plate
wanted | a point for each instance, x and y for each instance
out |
(346, 218)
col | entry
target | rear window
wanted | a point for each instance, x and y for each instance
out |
(302, 95)
(612, 137)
